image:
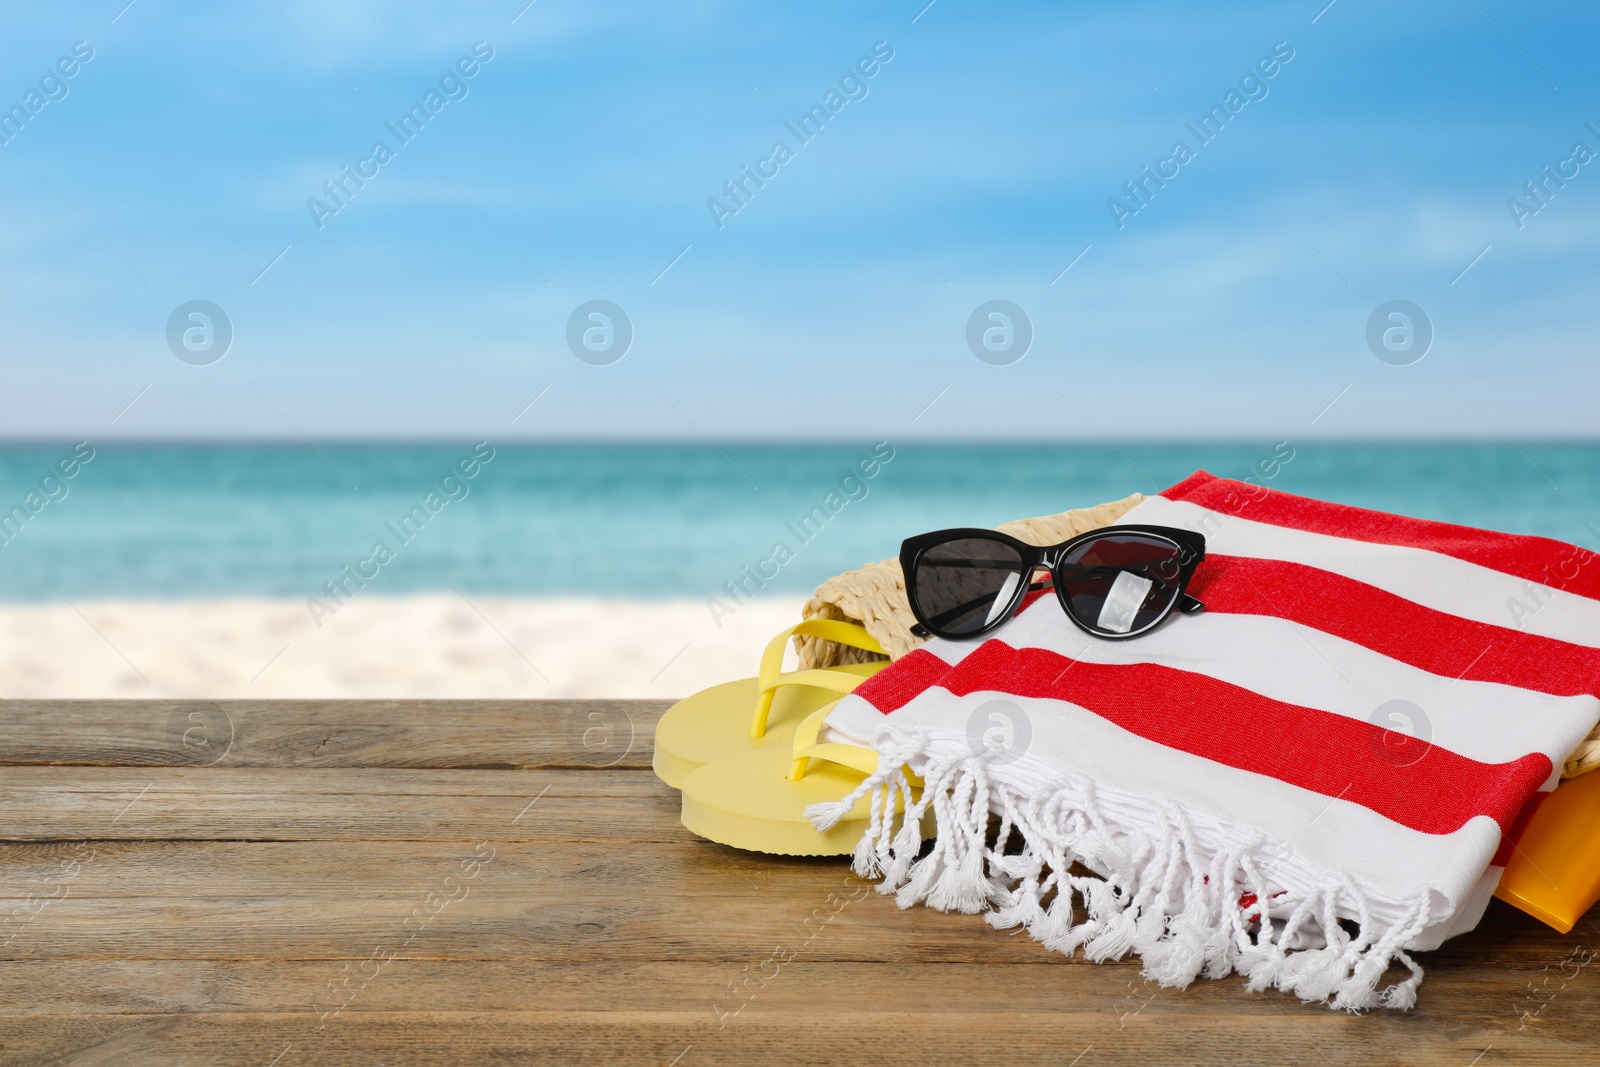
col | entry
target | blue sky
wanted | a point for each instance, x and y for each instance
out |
(977, 166)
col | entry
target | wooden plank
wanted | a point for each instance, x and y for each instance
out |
(533, 900)
(332, 733)
(529, 900)
(824, 1034)
(1460, 993)
(309, 804)
(156, 987)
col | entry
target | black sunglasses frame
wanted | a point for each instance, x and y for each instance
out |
(1191, 548)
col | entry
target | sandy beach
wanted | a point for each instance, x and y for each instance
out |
(422, 646)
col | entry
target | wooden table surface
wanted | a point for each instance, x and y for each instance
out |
(281, 884)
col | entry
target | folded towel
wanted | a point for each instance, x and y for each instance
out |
(1338, 744)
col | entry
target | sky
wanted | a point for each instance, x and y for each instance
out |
(849, 295)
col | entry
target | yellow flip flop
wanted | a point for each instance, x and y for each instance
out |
(755, 713)
(757, 800)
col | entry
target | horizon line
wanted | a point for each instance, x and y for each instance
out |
(820, 440)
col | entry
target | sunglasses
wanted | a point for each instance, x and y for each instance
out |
(1117, 582)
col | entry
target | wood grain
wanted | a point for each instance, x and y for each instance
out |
(850, 1036)
(308, 894)
(305, 804)
(482, 734)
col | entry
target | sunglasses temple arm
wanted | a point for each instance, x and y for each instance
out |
(1187, 604)
(1136, 568)
(959, 610)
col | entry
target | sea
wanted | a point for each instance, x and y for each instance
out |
(655, 520)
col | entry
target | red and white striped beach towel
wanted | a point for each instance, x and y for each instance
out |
(1344, 736)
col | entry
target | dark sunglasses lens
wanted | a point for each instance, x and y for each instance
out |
(1120, 583)
(960, 586)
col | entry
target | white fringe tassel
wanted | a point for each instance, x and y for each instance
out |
(1177, 904)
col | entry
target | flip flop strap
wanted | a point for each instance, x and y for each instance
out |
(769, 679)
(806, 748)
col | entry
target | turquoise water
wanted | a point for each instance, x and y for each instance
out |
(662, 520)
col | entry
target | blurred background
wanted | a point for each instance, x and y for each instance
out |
(398, 350)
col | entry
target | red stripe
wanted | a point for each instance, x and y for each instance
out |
(1537, 559)
(1509, 839)
(1427, 788)
(893, 687)
(1393, 626)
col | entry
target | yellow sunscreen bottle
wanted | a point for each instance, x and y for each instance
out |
(1553, 873)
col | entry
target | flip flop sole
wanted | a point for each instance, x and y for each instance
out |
(748, 801)
(714, 723)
